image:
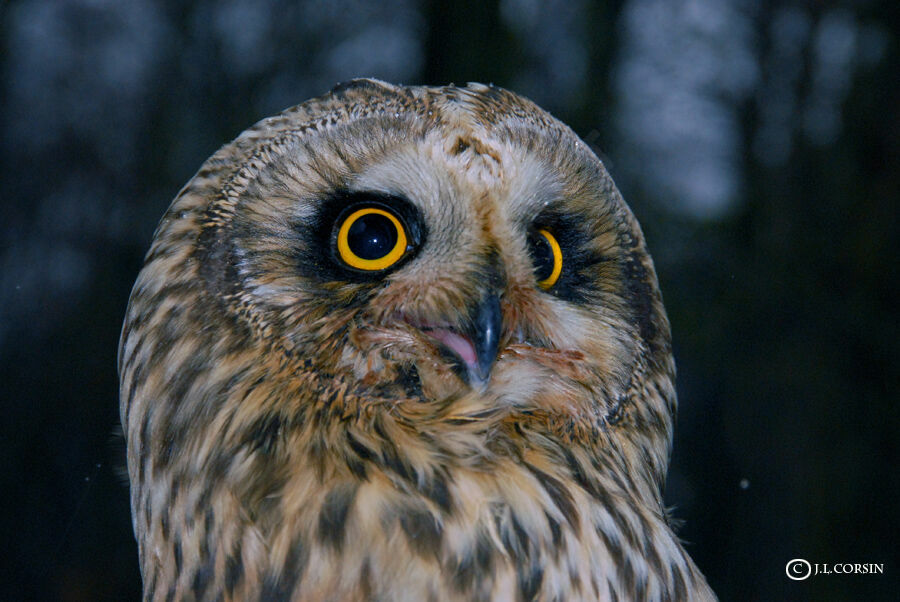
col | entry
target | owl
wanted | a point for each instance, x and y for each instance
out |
(401, 343)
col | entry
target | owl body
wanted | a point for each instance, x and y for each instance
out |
(401, 343)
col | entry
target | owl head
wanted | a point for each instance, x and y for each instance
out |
(391, 280)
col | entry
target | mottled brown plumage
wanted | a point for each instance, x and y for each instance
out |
(298, 430)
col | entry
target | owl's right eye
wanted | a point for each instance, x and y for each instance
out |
(371, 239)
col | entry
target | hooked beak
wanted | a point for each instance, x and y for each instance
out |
(487, 322)
(475, 348)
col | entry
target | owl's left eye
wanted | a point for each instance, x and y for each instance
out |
(371, 239)
(547, 257)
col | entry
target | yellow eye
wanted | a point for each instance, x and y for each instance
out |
(547, 257)
(371, 239)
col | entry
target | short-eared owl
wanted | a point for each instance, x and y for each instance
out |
(401, 343)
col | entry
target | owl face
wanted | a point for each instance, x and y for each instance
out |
(419, 319)
(440, 244)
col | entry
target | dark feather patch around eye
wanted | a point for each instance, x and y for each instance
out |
(575, 234)
(317, 256)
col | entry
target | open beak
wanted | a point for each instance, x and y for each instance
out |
(476, 347)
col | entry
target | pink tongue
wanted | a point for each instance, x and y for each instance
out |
(458, 343)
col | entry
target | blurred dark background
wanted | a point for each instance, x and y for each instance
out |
(757, 142)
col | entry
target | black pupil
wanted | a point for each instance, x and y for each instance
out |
(372, 236)
(542, 254)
